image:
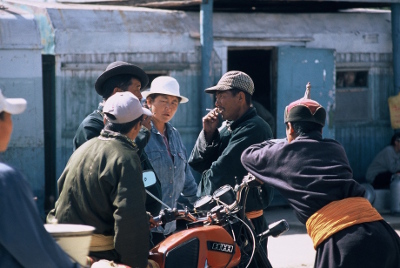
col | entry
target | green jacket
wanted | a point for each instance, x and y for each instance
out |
(219, 162)
(91, 127)
(102, 186)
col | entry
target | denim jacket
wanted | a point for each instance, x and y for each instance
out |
(175, 175)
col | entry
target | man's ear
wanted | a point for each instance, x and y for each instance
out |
(149, 102)
(291, 129)
(241, 95)
(116, 89)
(138, 126)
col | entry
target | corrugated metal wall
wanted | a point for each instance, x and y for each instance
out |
(85, 40)
(362, 140)
(21, 76)
(76, 96)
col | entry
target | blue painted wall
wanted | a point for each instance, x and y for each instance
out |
(296, 67)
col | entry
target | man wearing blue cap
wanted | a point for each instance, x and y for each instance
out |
(24, 242)
(314, 175)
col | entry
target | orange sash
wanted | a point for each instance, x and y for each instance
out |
(254, 214)
(339, 215)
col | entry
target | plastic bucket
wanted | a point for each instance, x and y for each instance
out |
(74, 239)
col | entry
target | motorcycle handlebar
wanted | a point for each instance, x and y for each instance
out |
(275, 229)
(168, 215)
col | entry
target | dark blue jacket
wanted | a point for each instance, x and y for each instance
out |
(24, 242)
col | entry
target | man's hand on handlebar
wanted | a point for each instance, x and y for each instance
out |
(252, 180)
(153, 223)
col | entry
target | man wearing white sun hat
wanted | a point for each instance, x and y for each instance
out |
(24, 242)
(102, 186)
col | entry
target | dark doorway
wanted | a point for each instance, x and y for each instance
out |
(257, 64)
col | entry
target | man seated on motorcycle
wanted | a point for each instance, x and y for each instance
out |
(315, 176)
(24, 242)
(102, 186)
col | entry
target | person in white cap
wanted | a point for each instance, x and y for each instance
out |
(102, 186)
(165, 149)
(24, 242)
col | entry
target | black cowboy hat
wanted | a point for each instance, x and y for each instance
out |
(120, 67)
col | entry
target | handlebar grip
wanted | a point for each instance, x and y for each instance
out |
(275, 229)
(157, 218)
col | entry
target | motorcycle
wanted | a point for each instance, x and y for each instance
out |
(217, 234)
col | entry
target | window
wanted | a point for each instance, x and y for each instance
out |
(352, 96)
(351, 79)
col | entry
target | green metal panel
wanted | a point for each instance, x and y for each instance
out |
(295, 67)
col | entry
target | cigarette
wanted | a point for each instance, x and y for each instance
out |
(216, 110)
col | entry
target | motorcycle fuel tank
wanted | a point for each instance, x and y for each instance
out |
(195, 247)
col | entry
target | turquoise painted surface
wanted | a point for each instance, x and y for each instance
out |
(362, 143)
(296, 67)
(362, 140)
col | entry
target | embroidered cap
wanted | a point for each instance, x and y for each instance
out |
(305, 109)
(233, 79)
(125, 107)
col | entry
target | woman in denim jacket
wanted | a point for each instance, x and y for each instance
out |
(165, 148)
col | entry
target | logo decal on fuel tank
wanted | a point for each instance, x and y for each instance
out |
(222, 247)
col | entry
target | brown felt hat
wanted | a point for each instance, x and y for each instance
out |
(305, 109)
(117, 68)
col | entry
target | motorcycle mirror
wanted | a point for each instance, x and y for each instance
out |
(149, 178)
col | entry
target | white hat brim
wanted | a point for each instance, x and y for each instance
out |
(12, 105)
(145, 94)
(147, 112)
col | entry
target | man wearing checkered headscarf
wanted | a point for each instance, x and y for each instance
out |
(216, 154)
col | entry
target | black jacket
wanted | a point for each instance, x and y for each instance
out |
(219, 162)
(311, 172)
